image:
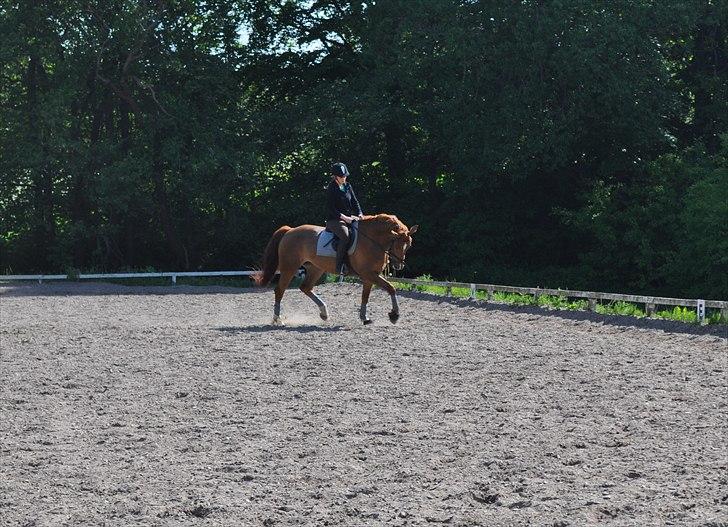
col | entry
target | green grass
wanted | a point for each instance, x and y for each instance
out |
(554, 302)
(689, 315)
(716, 318)
(547, 301)
(457, 292)
(561, 302)
(679, 314)
(620, 308)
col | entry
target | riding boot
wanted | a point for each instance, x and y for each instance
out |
(340, 258)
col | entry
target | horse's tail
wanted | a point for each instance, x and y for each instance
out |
(270, 258)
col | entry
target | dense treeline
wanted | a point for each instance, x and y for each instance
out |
(573, 143)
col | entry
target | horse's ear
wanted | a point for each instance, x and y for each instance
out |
(413, 229)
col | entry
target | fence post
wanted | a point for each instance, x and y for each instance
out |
(724, 314)
(448, 291)
(472, 292)
(174, 279)
(490, 294)
(701, 311)
(650, 307)
(592, 304)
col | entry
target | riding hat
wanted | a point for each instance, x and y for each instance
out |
(339, 170)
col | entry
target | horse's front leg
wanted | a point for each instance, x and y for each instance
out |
(366, 289)
(389, 288)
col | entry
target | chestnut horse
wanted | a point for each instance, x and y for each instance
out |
(381, 238)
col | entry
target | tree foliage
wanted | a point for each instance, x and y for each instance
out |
(571, 143)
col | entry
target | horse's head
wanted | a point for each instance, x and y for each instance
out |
(401, 242)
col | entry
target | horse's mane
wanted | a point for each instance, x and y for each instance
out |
(385, 222)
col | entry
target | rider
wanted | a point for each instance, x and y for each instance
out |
(343, 208)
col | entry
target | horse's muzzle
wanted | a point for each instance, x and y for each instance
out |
(398, 266)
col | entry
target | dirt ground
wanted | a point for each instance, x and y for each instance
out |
(181, 406)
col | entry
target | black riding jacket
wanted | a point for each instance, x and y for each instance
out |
(341, 202)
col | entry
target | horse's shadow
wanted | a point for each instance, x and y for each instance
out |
(265, 328)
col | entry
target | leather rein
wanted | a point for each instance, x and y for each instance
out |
(388, 251)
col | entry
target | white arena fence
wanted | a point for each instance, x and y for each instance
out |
(108, 276)
(593, 297)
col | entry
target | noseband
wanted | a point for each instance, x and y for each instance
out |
(388, 251)
(390, 254)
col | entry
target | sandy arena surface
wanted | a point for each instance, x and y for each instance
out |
(181, 406)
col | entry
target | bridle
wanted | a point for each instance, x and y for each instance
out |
(387, 251)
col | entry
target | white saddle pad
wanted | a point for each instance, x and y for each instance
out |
(325, 246)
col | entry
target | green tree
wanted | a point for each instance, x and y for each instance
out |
(570, 143)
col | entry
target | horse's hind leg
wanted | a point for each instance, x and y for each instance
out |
(312, 276)
(283, 281)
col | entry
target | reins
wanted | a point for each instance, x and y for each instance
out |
(388, 252)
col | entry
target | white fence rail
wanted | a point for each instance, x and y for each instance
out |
(592, 296)
(41, 277)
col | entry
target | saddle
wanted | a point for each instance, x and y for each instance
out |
(327, 242)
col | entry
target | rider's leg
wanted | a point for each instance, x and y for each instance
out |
(342, 233)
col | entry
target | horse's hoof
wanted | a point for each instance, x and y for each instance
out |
(324, 316)
(277, 321)
(393, 317)
(367, 321)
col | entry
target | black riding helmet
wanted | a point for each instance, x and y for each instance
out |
(339, 170)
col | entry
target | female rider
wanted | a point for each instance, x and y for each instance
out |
(343, 208)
